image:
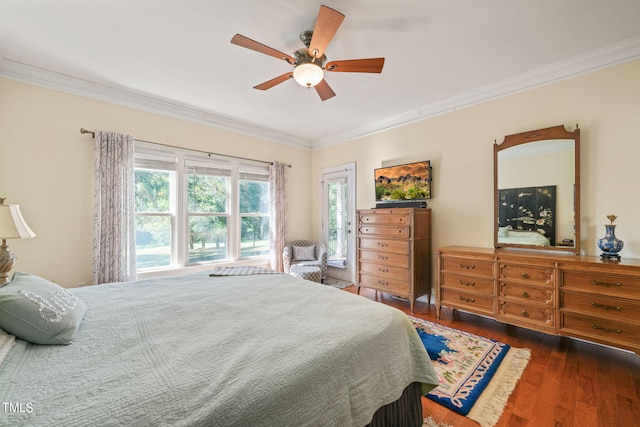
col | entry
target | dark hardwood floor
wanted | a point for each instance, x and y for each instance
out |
(567, 382)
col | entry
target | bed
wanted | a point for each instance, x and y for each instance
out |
(229, 350)
(517, 237)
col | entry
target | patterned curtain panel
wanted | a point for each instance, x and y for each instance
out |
(277, 213)
(114, 220)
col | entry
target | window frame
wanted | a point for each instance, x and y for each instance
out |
(181, 214)
(154, 163)
(258, 175)
(227, 171)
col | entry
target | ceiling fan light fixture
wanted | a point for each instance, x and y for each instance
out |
(308, 74)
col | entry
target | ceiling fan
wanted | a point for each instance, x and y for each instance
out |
(309, 63)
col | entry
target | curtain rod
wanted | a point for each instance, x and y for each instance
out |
(209, 153)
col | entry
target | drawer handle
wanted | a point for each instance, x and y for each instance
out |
(383, 270)
(605, 284)
(400, 231)
(382, 244)
(465, 299)
(460, 282)
(467, 266)
(605, 307)
(603, 329)
(525, 313)
(383, 256)
(525, 276)
(383, 282)
(525, 294)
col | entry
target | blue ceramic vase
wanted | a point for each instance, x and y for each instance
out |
(610, 244)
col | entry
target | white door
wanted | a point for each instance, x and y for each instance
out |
(338, 220)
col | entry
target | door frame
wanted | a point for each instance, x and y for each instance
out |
(350, 170)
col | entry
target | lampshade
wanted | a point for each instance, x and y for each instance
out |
(12, 224)
(308, 74)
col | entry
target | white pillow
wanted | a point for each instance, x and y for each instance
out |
(304, 253)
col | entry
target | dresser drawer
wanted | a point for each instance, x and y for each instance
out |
(527, 313)
(525, 273)
(385, 258)
(456, 298)
(603, 284)
(602, 330)
(385, 245)
(384, 270)
(391, 285)
(384, 219)
(526, 293)
(612, 308)
(468, 266)
(482, 285)
(385, 230)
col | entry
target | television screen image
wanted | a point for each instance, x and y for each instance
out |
(408, 182)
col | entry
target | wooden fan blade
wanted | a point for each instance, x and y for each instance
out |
(243, 41)
(327, 24)
(324, 90)
(271, 83)
(371, 65)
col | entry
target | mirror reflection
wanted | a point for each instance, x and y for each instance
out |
(535, 190)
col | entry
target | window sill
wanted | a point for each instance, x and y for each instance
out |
(150, 274)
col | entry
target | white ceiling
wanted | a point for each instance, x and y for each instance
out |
(175, 57)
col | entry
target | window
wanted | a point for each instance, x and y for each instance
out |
(192, 210)
(338, 224)
(254, 214)
(155, 212)
(207, 212)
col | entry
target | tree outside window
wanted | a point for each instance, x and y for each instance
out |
(153, 217)
(254, 215)
(207, 213)
(192, 210)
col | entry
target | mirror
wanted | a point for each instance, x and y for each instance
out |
(537, 190)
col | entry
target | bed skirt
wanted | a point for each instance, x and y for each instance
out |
(404, 412)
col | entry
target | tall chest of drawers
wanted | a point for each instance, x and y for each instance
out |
(577, 296)
(394, 251)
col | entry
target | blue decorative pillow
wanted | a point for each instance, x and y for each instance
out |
(38, 311)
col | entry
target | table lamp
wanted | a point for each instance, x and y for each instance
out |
(12, 226)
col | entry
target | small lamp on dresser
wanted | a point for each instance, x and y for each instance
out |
(12, 226)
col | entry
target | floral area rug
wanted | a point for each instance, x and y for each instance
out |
(476, 374)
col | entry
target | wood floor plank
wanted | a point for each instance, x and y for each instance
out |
(607, 397)
(566, 403)
(567, 382)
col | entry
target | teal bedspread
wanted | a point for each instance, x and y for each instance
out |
(264, 350)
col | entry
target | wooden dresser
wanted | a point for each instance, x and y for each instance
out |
(393, 253)
(560, 294)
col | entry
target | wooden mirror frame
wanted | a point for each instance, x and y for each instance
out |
(556, 132)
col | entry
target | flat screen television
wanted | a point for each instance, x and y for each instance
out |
(403, 185)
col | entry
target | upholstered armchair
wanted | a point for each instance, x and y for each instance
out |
(305, 252)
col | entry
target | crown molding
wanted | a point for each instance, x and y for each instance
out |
(617, 53)
(140, 101)
(608, 56)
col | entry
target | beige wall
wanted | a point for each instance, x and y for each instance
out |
(606, 105)
(46, 167)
